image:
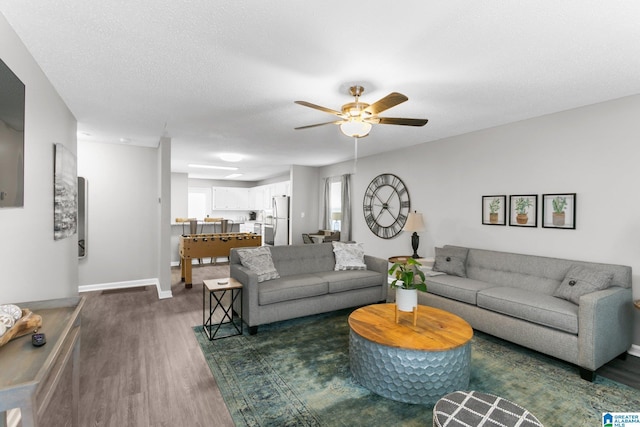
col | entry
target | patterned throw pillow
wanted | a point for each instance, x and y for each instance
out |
(260, 262)
(349, 256)
(581, 281)
(451, 261)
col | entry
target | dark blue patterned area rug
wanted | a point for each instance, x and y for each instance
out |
(296, 373)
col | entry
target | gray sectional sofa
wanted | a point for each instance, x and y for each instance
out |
(308, 284)
(526, 299)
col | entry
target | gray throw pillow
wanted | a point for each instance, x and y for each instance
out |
(451, 261)
(260, 262)
(581, 281)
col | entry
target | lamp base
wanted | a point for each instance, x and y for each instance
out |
(415, 241)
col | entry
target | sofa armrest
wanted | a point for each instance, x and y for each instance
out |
(604, 326)
(381, 266)
(249, 302)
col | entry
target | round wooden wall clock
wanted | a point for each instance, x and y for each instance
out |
(386, 205)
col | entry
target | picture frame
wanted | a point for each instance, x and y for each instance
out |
(523, 210)
(559, 211)
(65, 193)
(494, 209)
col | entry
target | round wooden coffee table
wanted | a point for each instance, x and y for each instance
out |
(407, 363)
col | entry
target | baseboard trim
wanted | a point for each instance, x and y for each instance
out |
(634, 350)
(128, 284)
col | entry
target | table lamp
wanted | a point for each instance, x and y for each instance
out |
(414, 223)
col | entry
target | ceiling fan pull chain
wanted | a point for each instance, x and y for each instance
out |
(355, 160)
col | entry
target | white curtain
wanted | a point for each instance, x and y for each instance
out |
(326, 208)
(345, 225)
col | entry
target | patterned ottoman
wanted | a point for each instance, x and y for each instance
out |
(471, 408)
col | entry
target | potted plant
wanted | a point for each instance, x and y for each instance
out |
(408, 280)
(494, 207)
(559, 205)
(522, 207)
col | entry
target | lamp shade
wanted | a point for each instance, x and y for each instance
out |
(336, 216)
(355, 128)
(414, 222)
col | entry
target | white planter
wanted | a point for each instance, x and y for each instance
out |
(406, 299)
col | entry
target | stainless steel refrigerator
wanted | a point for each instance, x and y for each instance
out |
(280, 206)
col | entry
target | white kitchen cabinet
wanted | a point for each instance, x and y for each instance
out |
(266, 196)
(256, 198)
(231, 198)
(282, 188)
(260, 196)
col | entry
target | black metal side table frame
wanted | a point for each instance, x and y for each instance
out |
(217, 290)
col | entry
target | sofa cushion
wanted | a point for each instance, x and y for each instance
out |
(290, 288)
(457, 288)
(260, 262)
(342, 281)
(291, 260)
(349, 256)
(582, 280)
(531, 306)
(451, 260)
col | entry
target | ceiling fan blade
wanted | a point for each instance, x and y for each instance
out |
(401, 121)
(319, 107)
(391, 100)
(337, 122)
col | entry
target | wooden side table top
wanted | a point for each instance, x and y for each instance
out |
(215, 285)
(399, 258)
(637, 303)
(435, 330)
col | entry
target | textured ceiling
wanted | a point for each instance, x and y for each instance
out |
(221, 77)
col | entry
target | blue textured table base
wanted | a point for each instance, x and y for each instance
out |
(409, 376)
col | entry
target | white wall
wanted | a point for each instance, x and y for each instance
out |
(34, 266)
(179, 195)
(304, 202)
(593, 151)
(123, 213)
(163, 204)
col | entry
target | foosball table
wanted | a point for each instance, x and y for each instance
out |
(198, 246)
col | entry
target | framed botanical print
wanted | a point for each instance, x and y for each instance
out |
(494, 210)
(523, 210)
(559, 211)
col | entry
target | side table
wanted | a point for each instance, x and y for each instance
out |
(217, 290)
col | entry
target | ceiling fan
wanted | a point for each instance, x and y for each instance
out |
(357, 118)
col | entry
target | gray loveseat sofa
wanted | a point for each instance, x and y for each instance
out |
(511, 296)
(308, 284)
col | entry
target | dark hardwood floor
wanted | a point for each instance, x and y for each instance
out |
(141, 364)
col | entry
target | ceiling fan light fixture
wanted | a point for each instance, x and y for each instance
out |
(355, 128)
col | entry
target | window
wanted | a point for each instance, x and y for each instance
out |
(198, 202)
(335, 204)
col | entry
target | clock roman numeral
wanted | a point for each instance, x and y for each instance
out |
(370, 220)
(386, 232)
(375, 228)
